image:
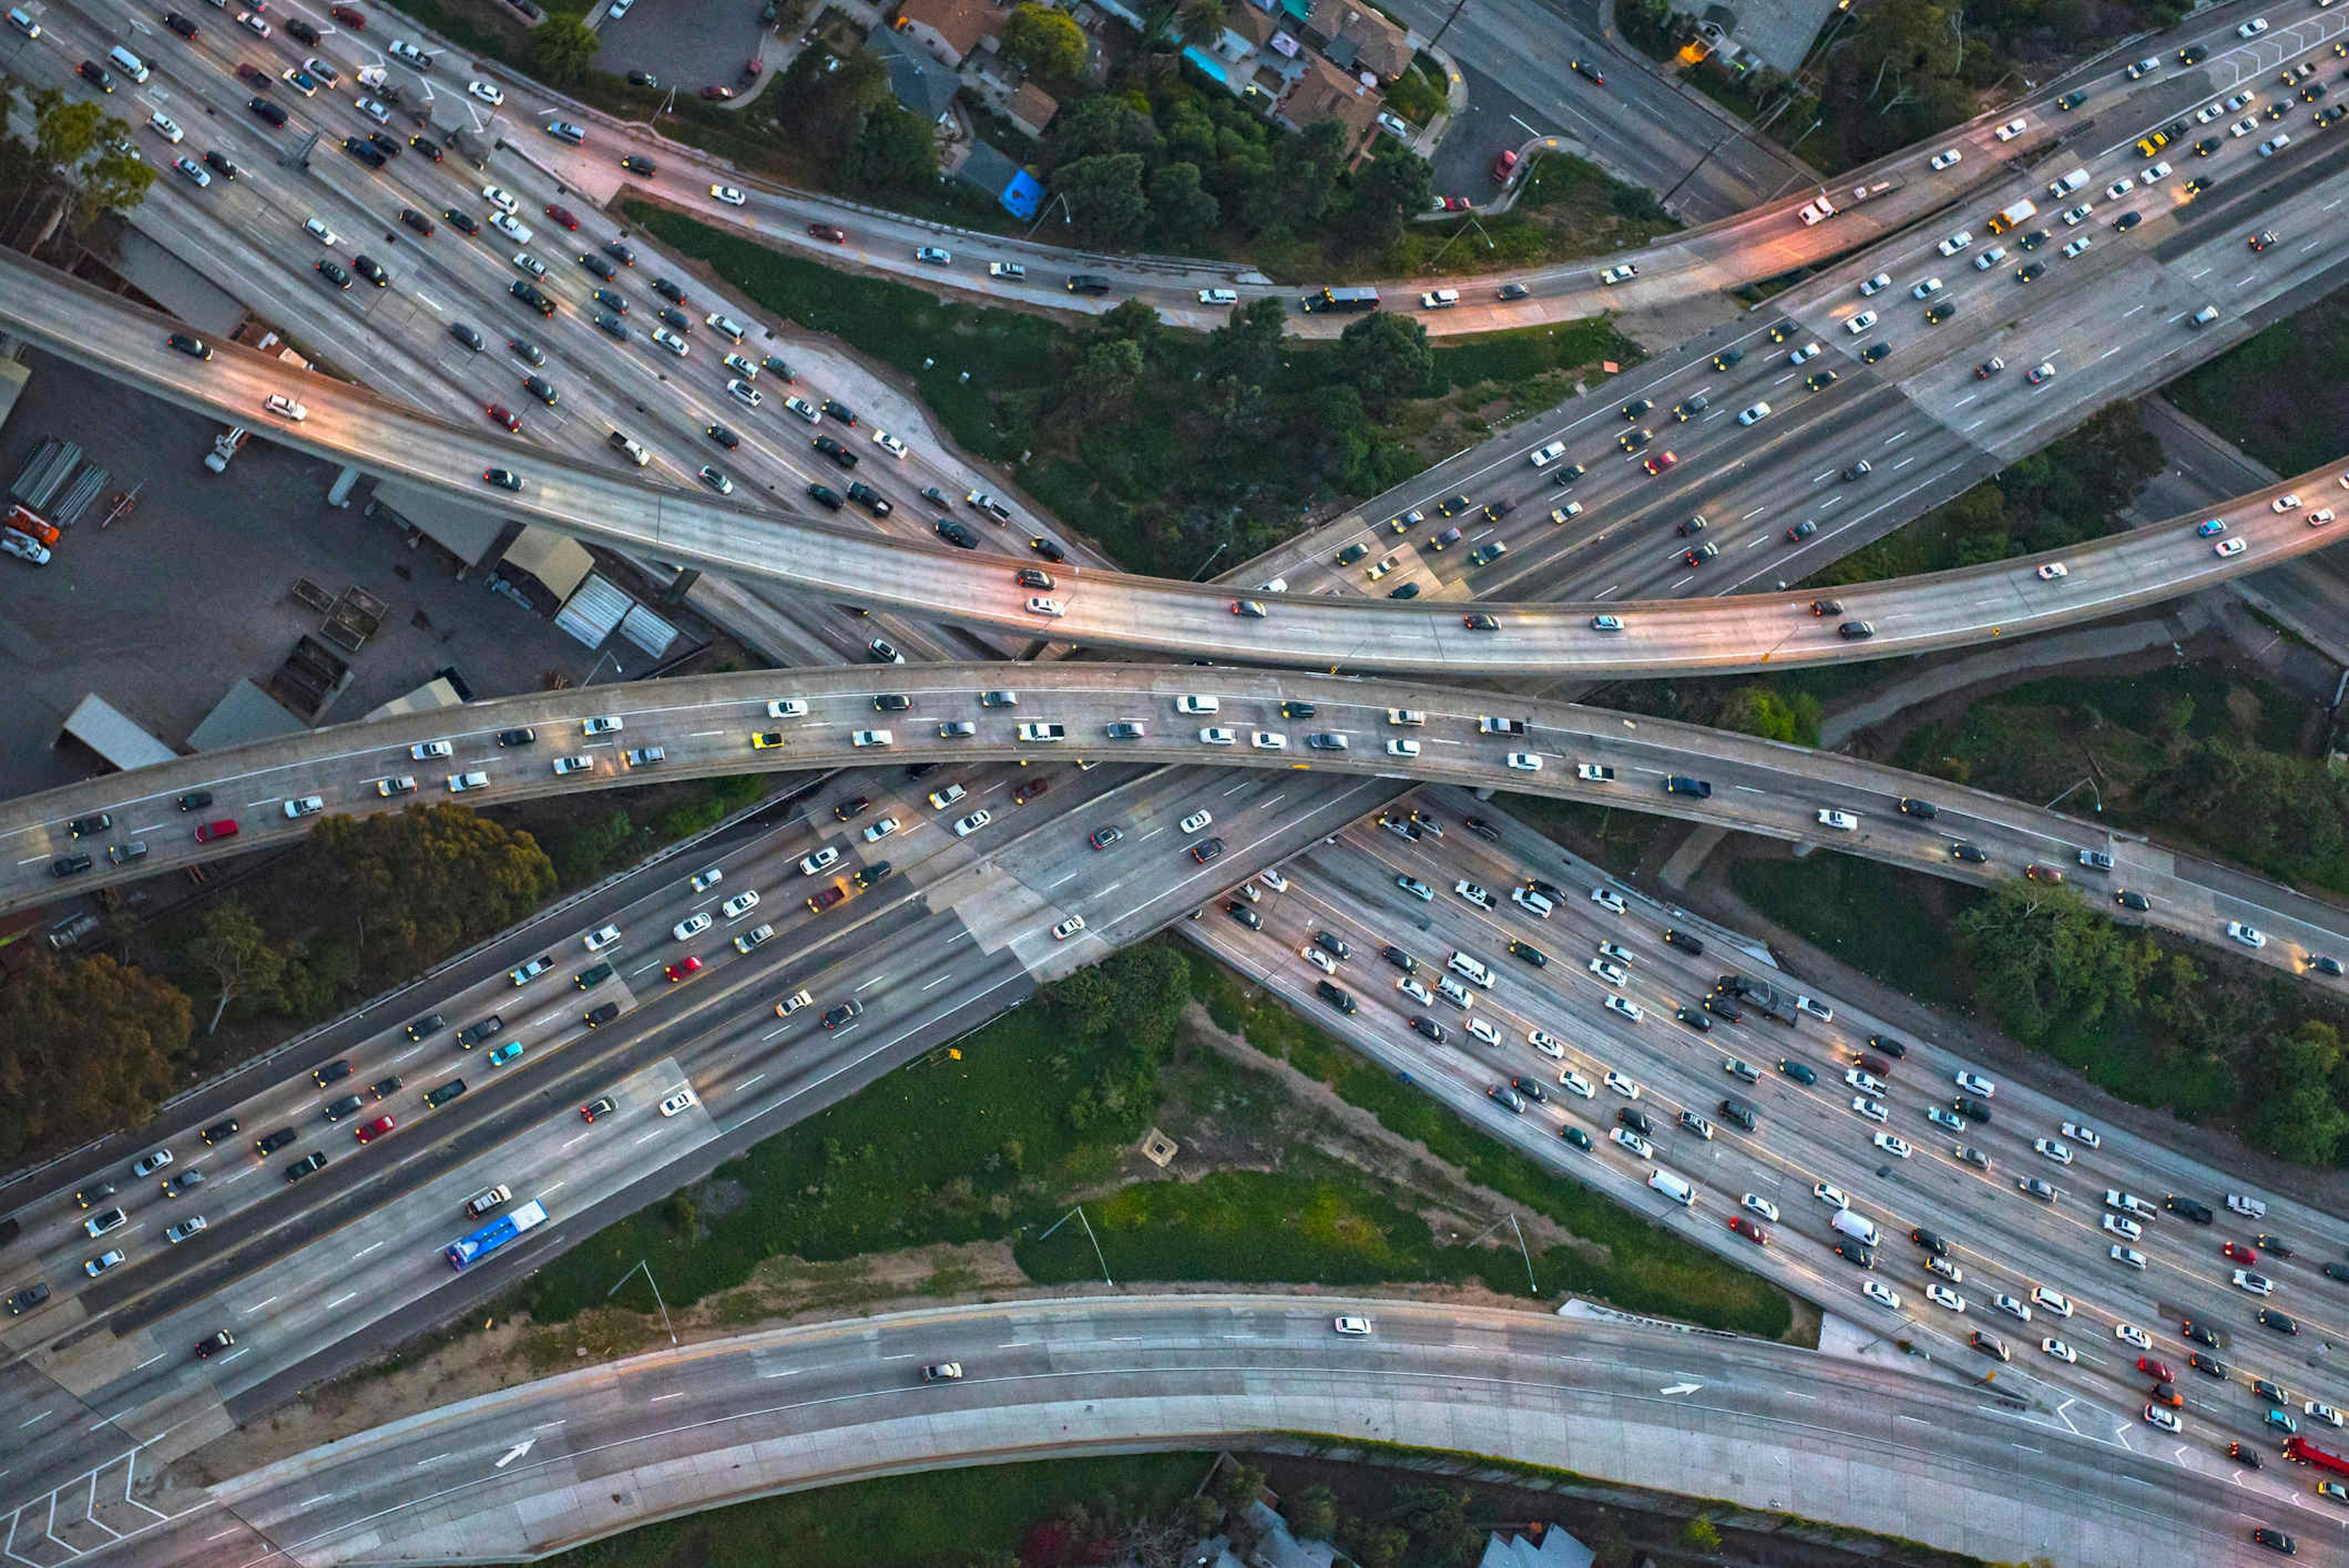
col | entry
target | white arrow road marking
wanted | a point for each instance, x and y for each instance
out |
(1680, 1388)
(516, 1452)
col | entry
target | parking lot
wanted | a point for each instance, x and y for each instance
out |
(687, 44)
(160, 613)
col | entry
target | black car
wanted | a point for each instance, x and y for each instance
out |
(473, 1034)
(723, 437)
(598, 265)
(668, 291)
(1971, 1108)
(179, 25)
(1335, 997)
(24, 1300)
(636, 165)
(2127, 220)
(467, 335)
(1725, 1008)
(332, 271)
(1693, 1018)
(1399, 958)
(96, 76)
(425, 145)
(196, 799)
(434, 1098)
(530, 295)
(620, 253)
(1693, 946)
(416, 221)
(834, 409)
(1244, 913)
(2201, 1335)
(384, 1088)
(383, 144)
(370, 268)
(307, 1165)
(272, 113)
(363, 151)
(2268, 1243)
(611, 302)
(220, 1129)
(825, 495)
(1206, 850)
(874, 874)
(837, 452)
(2270, 1318)
(955, 533)
(1854, 1252)
(271, 1142)
(540, 387)
(301, 32)
(1429, 1027)
(460, 221)
(194, 346)
(1046, 548)
(1801, 1072)
(603, 1013)
(2273, 1540)
(212, 1344)
(431, 1023)
(1527, 953)
(612, 326)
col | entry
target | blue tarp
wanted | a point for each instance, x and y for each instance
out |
(1024, 197)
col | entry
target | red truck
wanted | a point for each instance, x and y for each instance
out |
(2302, 1451)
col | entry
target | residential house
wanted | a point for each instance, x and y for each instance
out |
(950, 30)
(1358, 38)
(1325, 92)
(1032, 109)
(916, 81)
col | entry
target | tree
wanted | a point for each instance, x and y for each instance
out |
(65, 130)
(1199, 21)
(1700, 1534)
(897, 149)
(1305, 168)
(1104, 196)
(1108, 374)
(561, 49)
(233, 948)
(2298, 1118)
(1104, 123)
(1248, 347)
(115, 180)
(1313, 1514)
(1385, 356)
(2044, 959)
(85, 1046)
(1180, 204)
(1393, 188)
(1046, 40)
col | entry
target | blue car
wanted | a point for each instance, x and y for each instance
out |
(2211, 529)
(505, 1053)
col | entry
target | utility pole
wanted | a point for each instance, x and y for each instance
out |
(1457, 6)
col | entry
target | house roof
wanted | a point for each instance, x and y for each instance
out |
(1033, 105)
(1325, 92)
(961, 23)
(1377, 44)
(917, 81)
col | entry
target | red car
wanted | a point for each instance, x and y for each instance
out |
(352, 18)
(1454, 203)
(1029, 791)
(2241, 1253)
(717, 93)
(1751, 1230)
(684, 968)
(563, 215)
(825, 232)
(211, 831)
(376, 1128)
(1504, 165)
(820, 902)
(2152, 1368)
(605, 1106)
(2163, 1394)
(1660, 462)
(500, 414)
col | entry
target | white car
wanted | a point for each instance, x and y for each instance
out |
(1761, 1205)
(2060, 1351)
(1941, 1296)
(2276, 144)
(727, 194)
(1881, 1293)
(1482, 1029)
(1894, 1145)
(1069, 927)
(1931, 287)
(881, 829)
(1416, 888)
(1804, 354)
(1612, 974)
(1402, 748)
(2053, 1149)
(1626, 1007)
(1415, 991)
(1575, 1083)
(1841, 821)
(2249, 936)
(103, 1261)
(1975, 1084)
(2252, 28)
(1323, 961)
(1756, 415)
(1606, 898)
(530, 263)
(889, 443)
(152, 1163)
(1269, 740)
(1871, 1108)
(598, 940)
(692, 926)
(164, 126)
(1860, 322)
(307, 806)
(935, 256)
(2245, 125)
(2128, 1257)
(2253, 1284)
(2130, 1334)
(2155, 175)
(2077, 246)
(1940, 1116)
(2013, 128)
(1622, 1086)
(1622, 274)
(1948, 158)
(1194, 821)
(671, 341)
(1990, 258)
(2320, 1412)
(486, 92)
(2052, 1301)
(196, 172)
(2284, 503)
(194, 1223)
(1524, 762)
(2167, 1420)
(1353, 1325)
(461, 782)
(1472, 893)
(1866, 1082)
(512, 229)
(1548, 1045)
(821, 859)
(2124, 1227)
(2241, 100)
(1956, 242)
(320, 232)
(501, 198)
(1945, 1268)
(1833, 1197)
(681, 1100)
(2120, 187)
(1875, 285)
(2076, 216)
(1214, 735)
(1633, 1141)
(787, 707)
(973, 823)
(2011, 1307)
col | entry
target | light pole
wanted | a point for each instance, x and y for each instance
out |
(2091, 785)
(594, 670)
(648, 1267)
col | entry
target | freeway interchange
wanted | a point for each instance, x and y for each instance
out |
(287, 1269)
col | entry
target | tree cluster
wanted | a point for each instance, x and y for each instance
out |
(2285, 815)
(2147, 1018)
(848, 122)
(1046, 40)
(86, 1045)
(1159, 163)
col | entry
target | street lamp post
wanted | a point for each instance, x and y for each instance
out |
(648, 1267)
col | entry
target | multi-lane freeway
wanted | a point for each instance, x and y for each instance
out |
(1851, 1441)
(945, 715)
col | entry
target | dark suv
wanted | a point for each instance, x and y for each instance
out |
(473, 1034)
(309, 1164)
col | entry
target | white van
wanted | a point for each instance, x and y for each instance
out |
(1194, 704)
(1455, 993)
(725, 324)
(1676, 1188)
(2243, 1204)
(129, 63)
(1857, 1226)
(1469, 968)
(1535, 903)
